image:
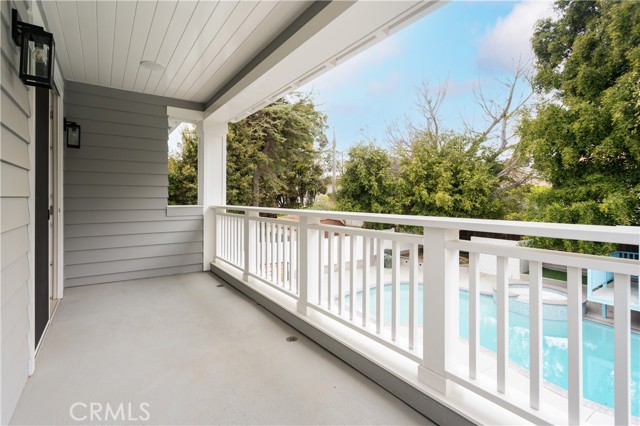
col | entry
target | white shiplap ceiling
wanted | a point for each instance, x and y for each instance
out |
(202, 44)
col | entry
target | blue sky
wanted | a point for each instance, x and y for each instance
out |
(469, 43)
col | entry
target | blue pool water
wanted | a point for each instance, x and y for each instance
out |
(597, 344)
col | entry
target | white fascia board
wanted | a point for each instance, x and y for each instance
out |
(354, 30)
(185, 115)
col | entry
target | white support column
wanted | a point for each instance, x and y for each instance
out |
(308, 258)
(622, 347)
(441, 306)
(213, 168)
(200, 133)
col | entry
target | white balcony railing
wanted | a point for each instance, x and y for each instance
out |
(370, 282)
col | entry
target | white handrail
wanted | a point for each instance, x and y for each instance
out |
(596, 233)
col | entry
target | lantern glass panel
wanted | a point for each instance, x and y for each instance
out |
(73, 136)
(38, 58)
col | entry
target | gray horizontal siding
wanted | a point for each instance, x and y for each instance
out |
(123, 179)
(134, 265)
(84, 112)
(107, 229)
(116, 223)
(115, 154)
(14, 276)
(75, 164)
(114, 191)
(113, 216)
(130, 240)
(124, 142)
(92, 203)
(14, 150)
(15, 164)
(14, 181)
(108, 255)
(113, 128)
(15, 213)
(100, 279)
(81, 99)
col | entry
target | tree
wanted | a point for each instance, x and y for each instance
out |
(449, 178)
(273, 156)
(183, 170)
(434, 171)
(368, 183)
(585, 136)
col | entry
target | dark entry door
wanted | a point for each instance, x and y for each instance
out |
(42, 211)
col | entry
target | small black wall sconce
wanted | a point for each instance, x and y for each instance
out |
(72, 131)
(36, 52)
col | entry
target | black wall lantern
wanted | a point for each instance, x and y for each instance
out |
(72, 131)
(36, 52)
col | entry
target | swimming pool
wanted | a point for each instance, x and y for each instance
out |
(597, 344)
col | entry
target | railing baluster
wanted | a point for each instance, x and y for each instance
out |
(258, 247)
(274, 248)
(331, 272)
(503, 322)
(276, 259)
(280, 257)
(274, 254)
(535, 333)
(341, 255)
(380, 287)
(622, 347)
(474, 313)
(366, 246)
(265, 255)
(234, 240)
(413, 294)
(352, 280)
(234, 244)
(283, 255)
(265, 250)
(320, 267)
(286, 234)
(240, 241)
(226, 238)
(574, 318)
(297, 265)
(395, 290)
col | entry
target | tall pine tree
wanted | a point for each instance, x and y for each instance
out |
(183, 170)
(274, 155)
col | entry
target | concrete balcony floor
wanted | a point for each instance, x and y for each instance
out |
(197, 353)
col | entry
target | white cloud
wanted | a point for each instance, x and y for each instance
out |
(386, 85)
(508, 41)
(353, 67)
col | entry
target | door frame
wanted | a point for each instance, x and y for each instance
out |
(56, 134)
